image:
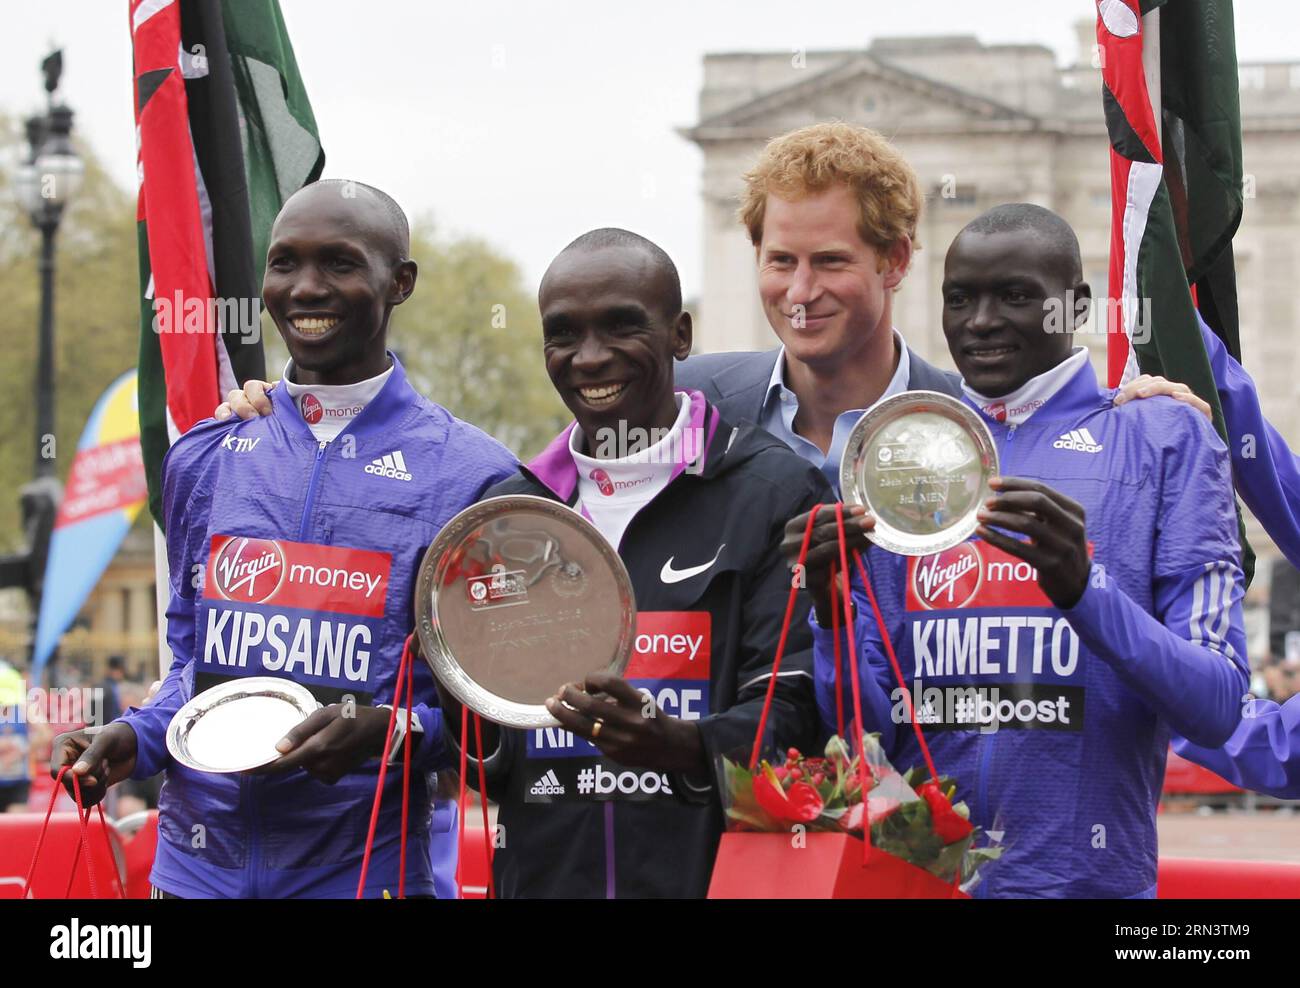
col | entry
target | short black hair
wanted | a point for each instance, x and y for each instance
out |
(1055, 233)
(400, 229)
(612, 236)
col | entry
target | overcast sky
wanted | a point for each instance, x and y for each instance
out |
(529, 122)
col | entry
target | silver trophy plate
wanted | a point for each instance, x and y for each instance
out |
(235, 725)
(920, 462)
(517, 596)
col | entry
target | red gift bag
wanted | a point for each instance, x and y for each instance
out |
(406, 677)
(818, 865)
(72, 855)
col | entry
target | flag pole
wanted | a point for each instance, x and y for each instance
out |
(162, 593)
(1151, 65)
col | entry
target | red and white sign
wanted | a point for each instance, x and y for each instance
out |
(103, 478)
(671, 645)
(311, 409)
(973, 574)
(297, 574)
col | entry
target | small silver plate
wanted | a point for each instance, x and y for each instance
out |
(517, 596)
(235, 725)
(920, 462)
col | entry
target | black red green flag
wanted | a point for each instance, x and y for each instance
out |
(225, 134)
(1174, 118)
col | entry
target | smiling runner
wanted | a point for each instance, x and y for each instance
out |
(293, 543)
(1051, 659)
(619, 800)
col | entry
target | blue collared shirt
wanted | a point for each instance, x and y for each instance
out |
(780, 405)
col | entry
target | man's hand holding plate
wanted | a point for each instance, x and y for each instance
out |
(627, 725)
(332, 742)
(1057, 545)
(824, 550)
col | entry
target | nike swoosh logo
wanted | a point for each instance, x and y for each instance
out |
(670, 575)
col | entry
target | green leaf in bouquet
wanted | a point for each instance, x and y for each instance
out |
(977, 858)
(832, 798)
(910, 825)
(914, 815)
(892, 845)
(744, 807)
(755, 821)
(949, 859)
(827, 822)
(837, 751)
(925, 847)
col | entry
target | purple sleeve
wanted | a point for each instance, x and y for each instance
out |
(1187, 660)
(1266, 472)
(1263, 754)
(432, 753)
(184, 511)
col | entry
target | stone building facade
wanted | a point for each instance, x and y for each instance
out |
(986, 124)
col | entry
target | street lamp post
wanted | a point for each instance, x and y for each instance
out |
(45, 184)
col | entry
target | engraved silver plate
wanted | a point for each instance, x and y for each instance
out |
(920, 462)
(234, 726)
(517, 596)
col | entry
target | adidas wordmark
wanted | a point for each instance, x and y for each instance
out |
(547, 785)
(389, 465)
(1080, 440)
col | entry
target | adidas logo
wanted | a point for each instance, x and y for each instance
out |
(1080, 440)
(547, 785)
(389, 465)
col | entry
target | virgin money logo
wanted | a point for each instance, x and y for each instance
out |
(948, 579)
(602, 481)
(996, 411)
(311, 409)
(249, 570)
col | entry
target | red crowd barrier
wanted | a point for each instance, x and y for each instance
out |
(1179, 878)
(18, 835)
(140, 832)
(133, 840)
(1184, 778)
(1204, 878)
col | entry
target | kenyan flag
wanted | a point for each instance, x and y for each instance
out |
(1176, 183)
(1174, 118)
(225, 135)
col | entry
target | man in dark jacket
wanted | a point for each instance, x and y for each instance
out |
(620, 800)
(832, 212)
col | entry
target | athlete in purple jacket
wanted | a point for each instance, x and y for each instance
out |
(1263, 753)
(293, 543)
(1097, 613)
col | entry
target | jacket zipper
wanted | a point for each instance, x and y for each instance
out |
(250, 784)
(307, 505)
(987, 740)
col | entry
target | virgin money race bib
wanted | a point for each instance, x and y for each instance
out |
(310, 613)
(990, 650)
(670, 665)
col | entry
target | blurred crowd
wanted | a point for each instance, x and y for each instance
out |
(27, 729)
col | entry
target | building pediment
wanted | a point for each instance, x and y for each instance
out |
(865, 90)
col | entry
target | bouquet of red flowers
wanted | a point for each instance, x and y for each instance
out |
(910, 819)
